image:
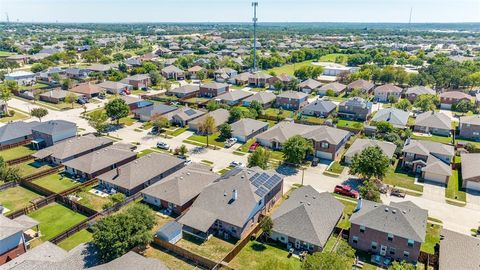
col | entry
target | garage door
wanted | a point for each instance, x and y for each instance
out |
(437, 178)
(473, 185)
(324, 155)
(445, 106)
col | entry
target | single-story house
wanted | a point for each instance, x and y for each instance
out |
(21, 77)
(336, 87)
(179, 190)
(77, 73)
(451, 98)
(55, 96)
(436, 123)
(240, 79)
(135, 103)
(363, 85)
(471, 171)
(87, 89)
(220, 116)
(115, 87)
(12, 239)
(145, 114)
(16, 132)
(384, 92)
(306, 219)
(184, 115)
(247, 128)
(413, 92)
(233, 98)
(388, 148)
(185, 91)
(49, 133)
(398, 118)
(319, 108)
(310, 85)
(96, 163)
(134, 176)
(266, 99)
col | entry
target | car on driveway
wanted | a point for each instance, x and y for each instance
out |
(346, 190)
(230, 142)
(253, 147)
(163, 145)
(236, 164)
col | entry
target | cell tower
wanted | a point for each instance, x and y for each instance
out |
(255, 4)
(410, 18)
(8, 19)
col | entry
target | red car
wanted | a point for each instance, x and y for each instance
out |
(346, 191)
(253, 147)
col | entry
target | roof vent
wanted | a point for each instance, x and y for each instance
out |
(386, 209)
(404, 211)
(308, 203)
(188, 173)
(394, 211)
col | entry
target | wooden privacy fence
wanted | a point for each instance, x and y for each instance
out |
(8, 185)
(119, 205)
(34, 206)
(240, 245)
(74, 229)
(20, 160)
(429, 260)
(75, 206)
(5, 147)
(38, 189)
(76, 188)
(42, 173)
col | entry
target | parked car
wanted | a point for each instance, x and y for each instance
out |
(253, 147)
(188, 161)
(346, 190)
(82, 100)
(154, 131)
(236, 164)
(397, 193)
(163, 145)
(230, 142)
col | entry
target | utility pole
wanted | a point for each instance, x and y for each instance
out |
(8, 19)
(255, 4)
(410, 18)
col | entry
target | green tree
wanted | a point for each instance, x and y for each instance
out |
(155, 77)
(201, 75)
(213, 105)
(392, 99)
(182, 151)
(371, 162)
(463, 106)
(236, 114)
(259, 158)
(326, 261)
(369, 191)
(117, 109)
(71, 98)
(115, 235)
(384, 126)
(207, 127)
(278, 85)
(225, 131)
(5, 96)
(426, 102)
(403, 265)
(404, 104)
(66, 84)
(7, 173)
(12, 86)
(98, 120)
(255, 105)
(39, 113)
(266, 224)
(470, 147)
(296, 149)
(293, 84)
(37, 67)
(330, 93)
(160, 122)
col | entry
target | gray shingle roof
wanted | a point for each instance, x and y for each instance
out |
(160, 109)
(433, 120)
(308, 215)
(9, 227)
(141, 170)
(389, 88)
(292, 95)
(16, 130)
(220, 116)
(112, 85)
(359, 145)
(172, 69)
(186, 89)
(234, 95)
(470, 119)
(322, 106)
(247, 126)
(458, 251)
(36, 257)
(422, 147)
(403, 219)
(262, 97)
(183, 185)
(73, 146)
(310, 83)
(420, 90)
(54, 127)
(396, 117)
(361, 84)
(132, 260)
(470, 166)
(335, 86)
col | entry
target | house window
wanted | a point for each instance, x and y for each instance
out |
(410, 242)
(406, 254)
(374, 245)
(362, 229)
(390, 237)
(476, 133)
(355, 239)
(234, 230)
(392, 251)
(324, 145)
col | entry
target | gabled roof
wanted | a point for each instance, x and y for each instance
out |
(285, 77)
(458, 251)
(356, 102)
(54, 126)
(247, 126)
(160, 109)
(220, 116)
(308, 215)
(335, 86)
(396, 117)
(403, 219)
(437, 166)
(9, 227)
(470, 119)
(292, 95)
(324, 106)
(112, 85)
(455, 95)
(420, 90)
(310, 83)
(361, 84)
(214, 85)
(73, 146)
(262, 97)
(86, 89)
(186, 89)
(186, 113)
(423, 147)
(434, 120)
(15, 130)
(359, 145)
(132, 260)
(470, 166)
(390, 88)
(56, 93)
(195, 69)
(259, 75)
(183, 185)
(172, 69)
(234, 95)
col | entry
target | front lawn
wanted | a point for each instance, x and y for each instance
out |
(454, 187)
(397, 177)
(214, 248)
(431, 238)
(128, 121)
(54, 219)
(350, 124)
(477, 144)
(246, 146)
(56, 182)
(433, 138)
(16, 198)
(256, 255)
(31, 167)
(212, 139)
(344, 222)
(176, 131)
(336, 167)
(16, 117)
(16, 152)
(78, 238)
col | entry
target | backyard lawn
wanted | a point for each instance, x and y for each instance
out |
(16, 198)
(272, 112)
(17, 116)
(212, 139)
(215, 248)
(56, 182)
(78, 238)
(90, 200)
(350, 124)
(431, 239)
(256, 255)
(54, 219)
(454, 187)
(170, 259)
(433, 138)
(31, 167)
(16, 152)
(397, 177)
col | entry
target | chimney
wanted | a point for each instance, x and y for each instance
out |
(234, 195)
(359, 205)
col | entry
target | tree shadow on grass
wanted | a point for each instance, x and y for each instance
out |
(258, 247)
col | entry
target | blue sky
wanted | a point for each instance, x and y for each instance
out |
(240, 10)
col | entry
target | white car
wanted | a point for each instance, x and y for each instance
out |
(188, 161)
(236, 164)
(163, 145)
(230, 142)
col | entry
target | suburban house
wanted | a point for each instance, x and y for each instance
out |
(328, 142)
(192, 72)
(310, 85)
(450, 98)
(388, 148)
(135, 103)
(115, 87)
(396, 231)
(185, 91)
(413, 92)
(247, 128)
(240, 79)
(20, 59)
(55, 96)
(431, 159)
(336, 87)
(458, 251)
(436, 123)
(231, 206)
(87, 89)
(363, 85)
(220, 116)
(21, 77)
(291, 100)
(47, 75)
(471, 171)
(178, 191)
(96, 163)
(173, 72)
(306, 219)
(283, 78)
(233, 98)
(384, 92)
(138, 81)
(319, 108)
(145, 114)
(398, 118)
(138, 174)
(333, 69)
(355, 108)
(224, 74)
(16, 132)
(77, 73)
(71, 148)
(101, 68)
(266, 99)
(12, 240)
(259, 79)
(184, 115)
(469, 127)
(49, 133)
(213, 89)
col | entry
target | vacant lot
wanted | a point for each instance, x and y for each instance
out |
(56, 182)
(16, 198)
(54, 219)
(16, 152)
(290, 68)
(78, 238)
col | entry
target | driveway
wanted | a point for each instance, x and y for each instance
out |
(434, 192)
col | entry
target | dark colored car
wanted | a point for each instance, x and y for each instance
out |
(346, 191)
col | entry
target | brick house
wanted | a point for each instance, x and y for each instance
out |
(291, 100)
(469, 127)
(213, 89)
(384, 92)
(413, 92)
(355, 108)
(138, 81)
(451, 98)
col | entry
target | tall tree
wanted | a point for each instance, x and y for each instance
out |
(403, 265)
(208, 126)
(236, 114)
(39, 113)
(259, 158)
(71, 98)
(5, 96)
(296, 149)
(371, 162)
(404, 104)
(117, 109)
(426, 102)
(98, 120)
(225, 131)
(369, 191)
(160, 122)
(7, 173)
(266, 224)
(255, 105)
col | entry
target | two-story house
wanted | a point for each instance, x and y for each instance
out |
(451, 98)
(173, 72)
(355, 108)
(291, 100)
(384, 92)
(469, 127)
(362, 85)
(413, 92)
(213, 89)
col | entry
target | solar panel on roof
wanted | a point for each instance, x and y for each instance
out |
(261, 191)
(254, 177)
(190, 112)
